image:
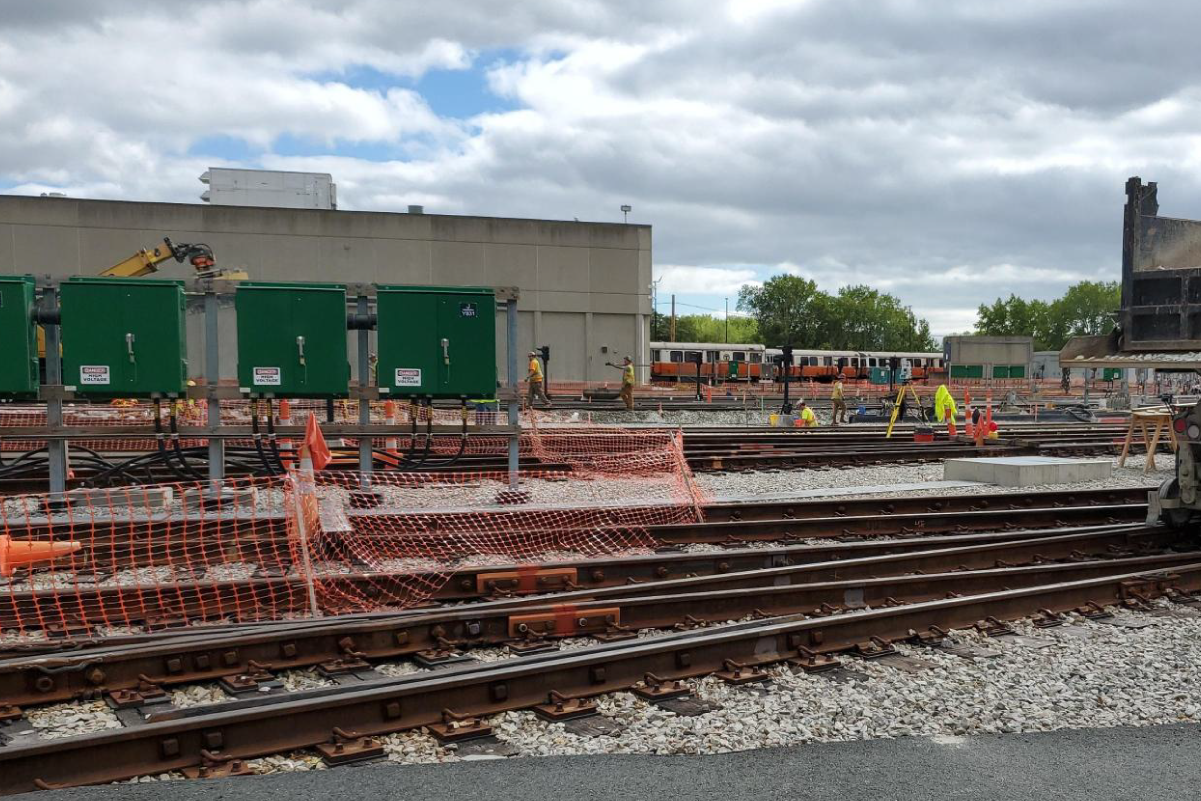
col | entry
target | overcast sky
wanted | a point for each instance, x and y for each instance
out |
(945, 151)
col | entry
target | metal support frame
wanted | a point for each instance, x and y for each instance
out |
(511, 369)
(364, 371)
(212, 372)
(56, 448)
(54, 393)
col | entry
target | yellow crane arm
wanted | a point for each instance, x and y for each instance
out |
(141, 263)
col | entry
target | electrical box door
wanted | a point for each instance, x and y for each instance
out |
(18, 338)
(437, 342)
(292, 340)
(123, 338)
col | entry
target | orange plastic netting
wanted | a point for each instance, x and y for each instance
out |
(287, 546)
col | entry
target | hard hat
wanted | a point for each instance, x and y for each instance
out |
(627, 358)
(533, 353)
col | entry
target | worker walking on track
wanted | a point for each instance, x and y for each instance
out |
(536, 382)
(627, 381)
(840, 406)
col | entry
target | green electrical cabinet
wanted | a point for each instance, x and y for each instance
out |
(436, 342)
(1000, 371)
(292, 340)
(123, 338)
(1017, 371)
(19, 351)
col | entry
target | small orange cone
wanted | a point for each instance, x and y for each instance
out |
(24, 552)
(285, 419)
(968, 428)
(390, 444)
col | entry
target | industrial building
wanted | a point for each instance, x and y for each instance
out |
(988, 357)
(585, 287)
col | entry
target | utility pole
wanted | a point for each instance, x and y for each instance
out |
(726, 338)
(672, 336)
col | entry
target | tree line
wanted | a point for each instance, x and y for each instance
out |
(789, 310)
(1086, 309)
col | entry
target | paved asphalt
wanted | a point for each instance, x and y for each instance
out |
(1098, 764)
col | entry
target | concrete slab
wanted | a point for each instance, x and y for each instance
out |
(830, 492)
(1026, 471)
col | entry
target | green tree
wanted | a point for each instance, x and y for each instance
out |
(867, 319)
(790, 310)
(707, 328)
(1085, 309)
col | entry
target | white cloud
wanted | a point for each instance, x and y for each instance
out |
(717, 281)
(947, 152)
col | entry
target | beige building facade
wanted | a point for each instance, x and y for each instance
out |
(585, 287)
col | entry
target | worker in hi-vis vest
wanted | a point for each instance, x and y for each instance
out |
(805, 417)
(627, 381)
(535, 380)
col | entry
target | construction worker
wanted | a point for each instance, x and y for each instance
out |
(535, 380)
(840, 406)
(627, 382)
(805, 418)
(945, 409)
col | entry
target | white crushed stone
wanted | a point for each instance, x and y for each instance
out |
(1117, 677)
(198, 695)
(297, 680)
(396, 670)
(71, 719)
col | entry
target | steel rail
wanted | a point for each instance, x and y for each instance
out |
(452, 701)
(203, 656)
(513, 580)
(165, 540)
(70, 611)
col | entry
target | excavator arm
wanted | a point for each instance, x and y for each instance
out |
(146, 261)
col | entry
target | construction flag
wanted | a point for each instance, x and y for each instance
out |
(314, 442)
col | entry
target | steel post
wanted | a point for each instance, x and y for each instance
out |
(57, 448)
(511, 350)
(364, 368)
(212, 377)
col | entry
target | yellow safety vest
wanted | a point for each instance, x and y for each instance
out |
(535, 370)
(627, 375)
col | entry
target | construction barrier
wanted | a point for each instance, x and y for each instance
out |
(110, 561)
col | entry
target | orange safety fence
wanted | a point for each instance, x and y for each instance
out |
(253, 549)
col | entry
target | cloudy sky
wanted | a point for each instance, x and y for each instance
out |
(944, 150)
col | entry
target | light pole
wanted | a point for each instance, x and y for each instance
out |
(625, 212)
(726, 338)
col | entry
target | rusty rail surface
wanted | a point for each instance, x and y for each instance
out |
(451, 702)
(77, 607)
(197, 655)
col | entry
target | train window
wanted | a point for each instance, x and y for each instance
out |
(829, 361)
(710, 355)
(740, 355)
(692, 355)
(655, 355)
(871, 362)
(756, 358)
(813, 361)
(677, 356)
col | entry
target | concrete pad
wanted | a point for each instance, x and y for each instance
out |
(1026, 471)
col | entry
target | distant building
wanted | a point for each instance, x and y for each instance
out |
(988, 357)
(269, 188)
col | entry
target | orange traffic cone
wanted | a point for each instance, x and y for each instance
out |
(285, 419)
(968, 428)
(390, 444)
(14, 553)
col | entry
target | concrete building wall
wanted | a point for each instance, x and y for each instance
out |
(585, 287)
(989, 350)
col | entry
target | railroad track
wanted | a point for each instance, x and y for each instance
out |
(787, 625)
(92, 597)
